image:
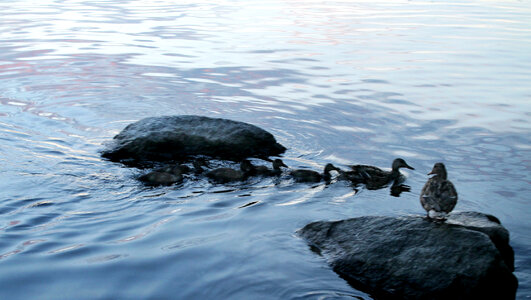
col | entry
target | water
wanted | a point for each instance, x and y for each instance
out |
(342, 82)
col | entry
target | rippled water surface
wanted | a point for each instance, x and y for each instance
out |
(334, 81)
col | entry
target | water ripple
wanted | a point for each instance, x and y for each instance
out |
(339, 82)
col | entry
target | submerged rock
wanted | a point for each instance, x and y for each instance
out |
(467, 257)
(176, 138)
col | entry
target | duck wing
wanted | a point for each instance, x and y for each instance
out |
(365, 168)
(354, 177)
(429, 196)
(263, 171)
(305, 176)
(373, 177)
(448, 196)
(224, 175)
(155, 178)
(438, 195)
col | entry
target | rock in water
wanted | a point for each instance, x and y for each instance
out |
(179, 137)
(467, 257)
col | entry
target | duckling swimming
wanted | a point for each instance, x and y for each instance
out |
(438, 196)
(375, 178)
(226, 175)
(265, 171)
(198, 164)
(165, 176)
(302, 175)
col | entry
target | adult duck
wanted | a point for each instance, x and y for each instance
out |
(352, 176)
(376, 178)
(303, 175)
(226, 175)
(438, 196)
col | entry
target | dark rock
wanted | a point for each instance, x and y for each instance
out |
(176, 138)
(466, 257)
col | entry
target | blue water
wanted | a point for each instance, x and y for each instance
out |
(338, 81)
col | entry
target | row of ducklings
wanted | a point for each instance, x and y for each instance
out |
(372, 177)
(438, 196)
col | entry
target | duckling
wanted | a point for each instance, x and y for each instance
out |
(177, 169)
(265, 171)
(198, 164)
(301, 175)
(226, 175)
(438, 196)
(375, 178)
(165, 176)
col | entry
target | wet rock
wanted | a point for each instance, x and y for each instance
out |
(467, 257)
(176, 138)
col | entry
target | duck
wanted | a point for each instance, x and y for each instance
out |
(165, 176)
(303, 175)
(375, 178)
(438, 196)
(265, 171)
(169, 175)
(352, 176)
(227, 175)
(198, 164)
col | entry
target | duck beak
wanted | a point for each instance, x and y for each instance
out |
(284, 165)
(432, 172)
(409, 167)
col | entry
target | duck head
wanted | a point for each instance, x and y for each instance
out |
(246, 166)
(277, 163)
(400, 163)
(198, 164)
(439, 170)
(330, 167)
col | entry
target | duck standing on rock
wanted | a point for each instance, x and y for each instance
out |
(438, 196)
(375, 178)
(301, 175)
(226, 175)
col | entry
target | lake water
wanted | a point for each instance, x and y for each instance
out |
(341, 81)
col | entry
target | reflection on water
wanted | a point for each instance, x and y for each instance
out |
(338, 82)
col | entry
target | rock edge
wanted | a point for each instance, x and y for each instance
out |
(176, 138)
(410, 257)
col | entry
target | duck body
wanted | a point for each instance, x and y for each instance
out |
(171, 174)
(165, 176)
(265, 171)
(302, 175)
(227, 175)
(352, 176)
(438, 196)
(376, 178)
(198, 165)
